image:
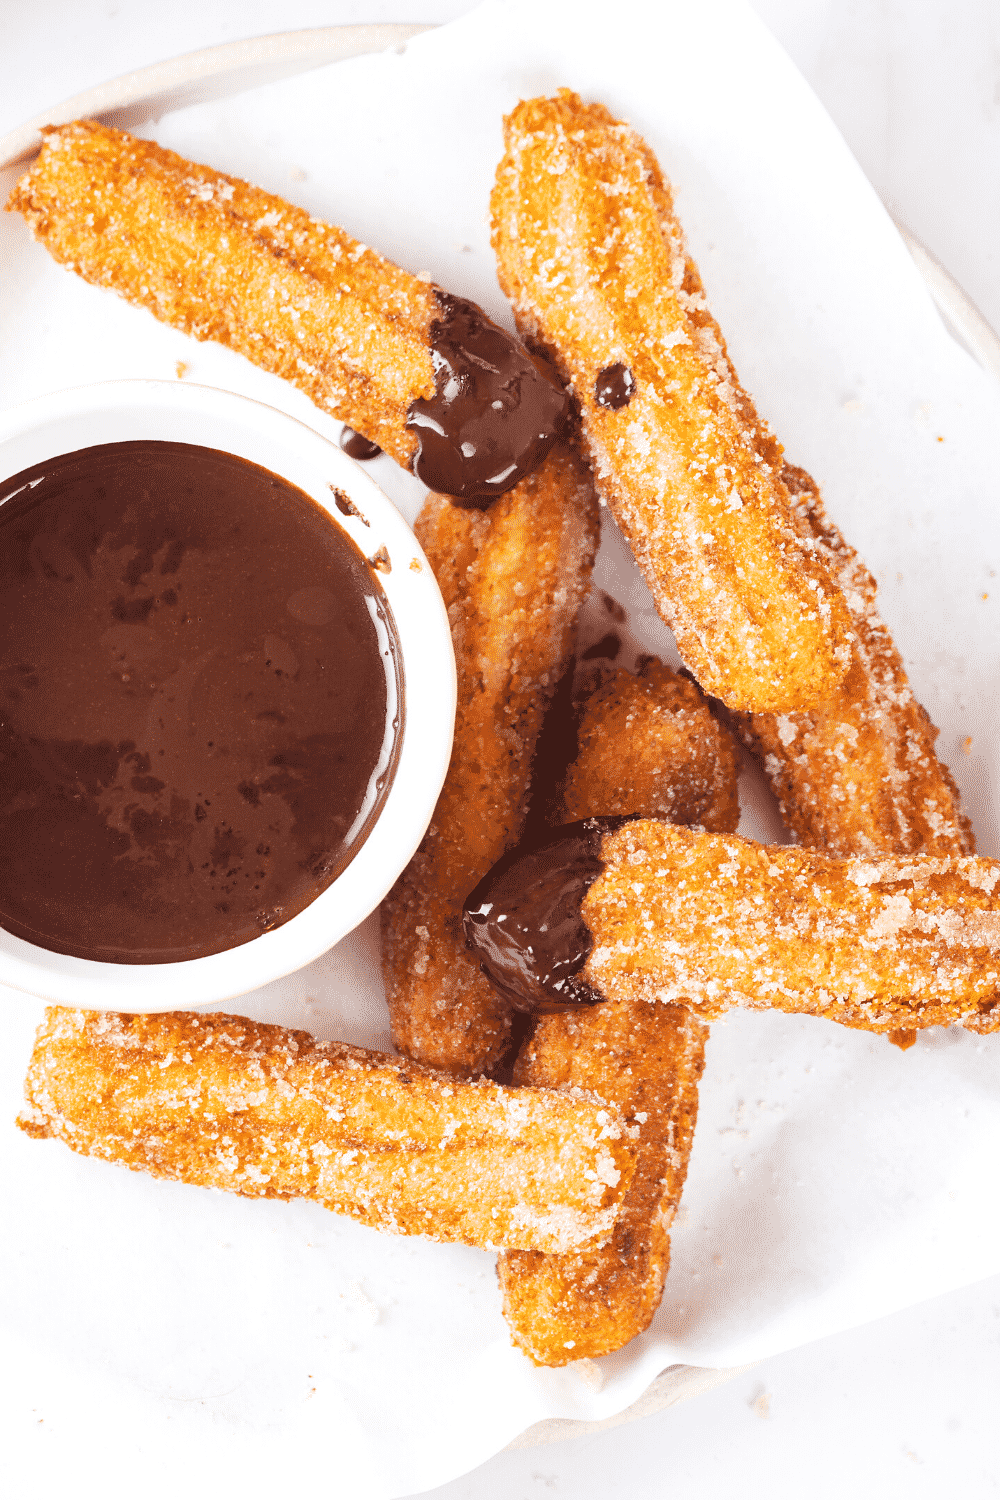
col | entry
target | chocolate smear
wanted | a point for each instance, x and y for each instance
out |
(614, 387)
(355, 445)
(524, 920)
(495, 413)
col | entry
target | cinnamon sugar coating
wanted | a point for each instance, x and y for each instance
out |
(647, 1059)
(881, 944)
(223, 1102)
(592, 257)
(649, 736)
(648, 744)
(224, 261)
(858, 775)
(513, 579)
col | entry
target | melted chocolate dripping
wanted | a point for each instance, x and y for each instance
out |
(355, 445)
(524, 918)
(495, 413)
(614, 387)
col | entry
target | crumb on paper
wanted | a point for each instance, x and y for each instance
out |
(761, 1404)
(967, 745)
(852, 404)
(298, 174)
(590, 1373)
(365, 1304)
(415, 565)
(180, 369)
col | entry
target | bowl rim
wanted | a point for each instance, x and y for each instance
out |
(175, 411)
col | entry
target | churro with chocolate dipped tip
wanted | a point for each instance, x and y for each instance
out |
(424, 375)
(640, 910)
(223, 1102)
(649, 736)
(858, 775)
(648, 744)
(513, 579)
(592, 257)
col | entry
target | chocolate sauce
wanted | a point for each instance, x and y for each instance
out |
(200, 702)
(614, 387)
(523, 919)
(357, 446)
(495, 412)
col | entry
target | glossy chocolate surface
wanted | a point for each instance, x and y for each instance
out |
(357, 446)
(199, 702)
(524, 921)
(614, 387)
(495, 412)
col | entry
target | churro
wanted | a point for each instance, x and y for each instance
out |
(513, 579)
(648, 737)
(646, 911)
(593, 260)
(219, 1101)
(858, 775)
(424, 375)
(648, 744)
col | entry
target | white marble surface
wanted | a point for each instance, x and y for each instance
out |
(906, 1406)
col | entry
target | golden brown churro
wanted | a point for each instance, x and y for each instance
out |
(593, 260)
(424, 375)
(651, 912)
(513, 579)
(859, 774)
(220, 1101)
(648, 744)
(649, 735)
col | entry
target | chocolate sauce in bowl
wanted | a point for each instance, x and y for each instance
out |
(495, 413)
(200, 702)
(523, 920)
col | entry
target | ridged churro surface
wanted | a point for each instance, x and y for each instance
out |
(648, 744)
(220, 1101)
(592, 257)
(513, 579)
(858, 775)
(648, 1059)
(222, 260)
(882, 943)
(641, 736)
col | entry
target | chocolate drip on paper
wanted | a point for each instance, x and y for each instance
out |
(495, 413)
(524, 922)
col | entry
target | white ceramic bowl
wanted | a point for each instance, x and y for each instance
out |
(129, 410)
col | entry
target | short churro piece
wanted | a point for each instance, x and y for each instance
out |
(858, 775)
(593, 260)
(424, 375)
(648, 744)
(648, 1059)
(650, 737)
(223, 1102)
(513, 579)
(645, 911)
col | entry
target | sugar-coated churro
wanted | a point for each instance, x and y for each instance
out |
(858, 775)
(426, 376)
(646, 911)
(648, 744)
(513, 579)
(220, 1101)
(651, 737)
(593, 260)
(648, 1059)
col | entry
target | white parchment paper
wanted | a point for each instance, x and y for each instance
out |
(833, 1179)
